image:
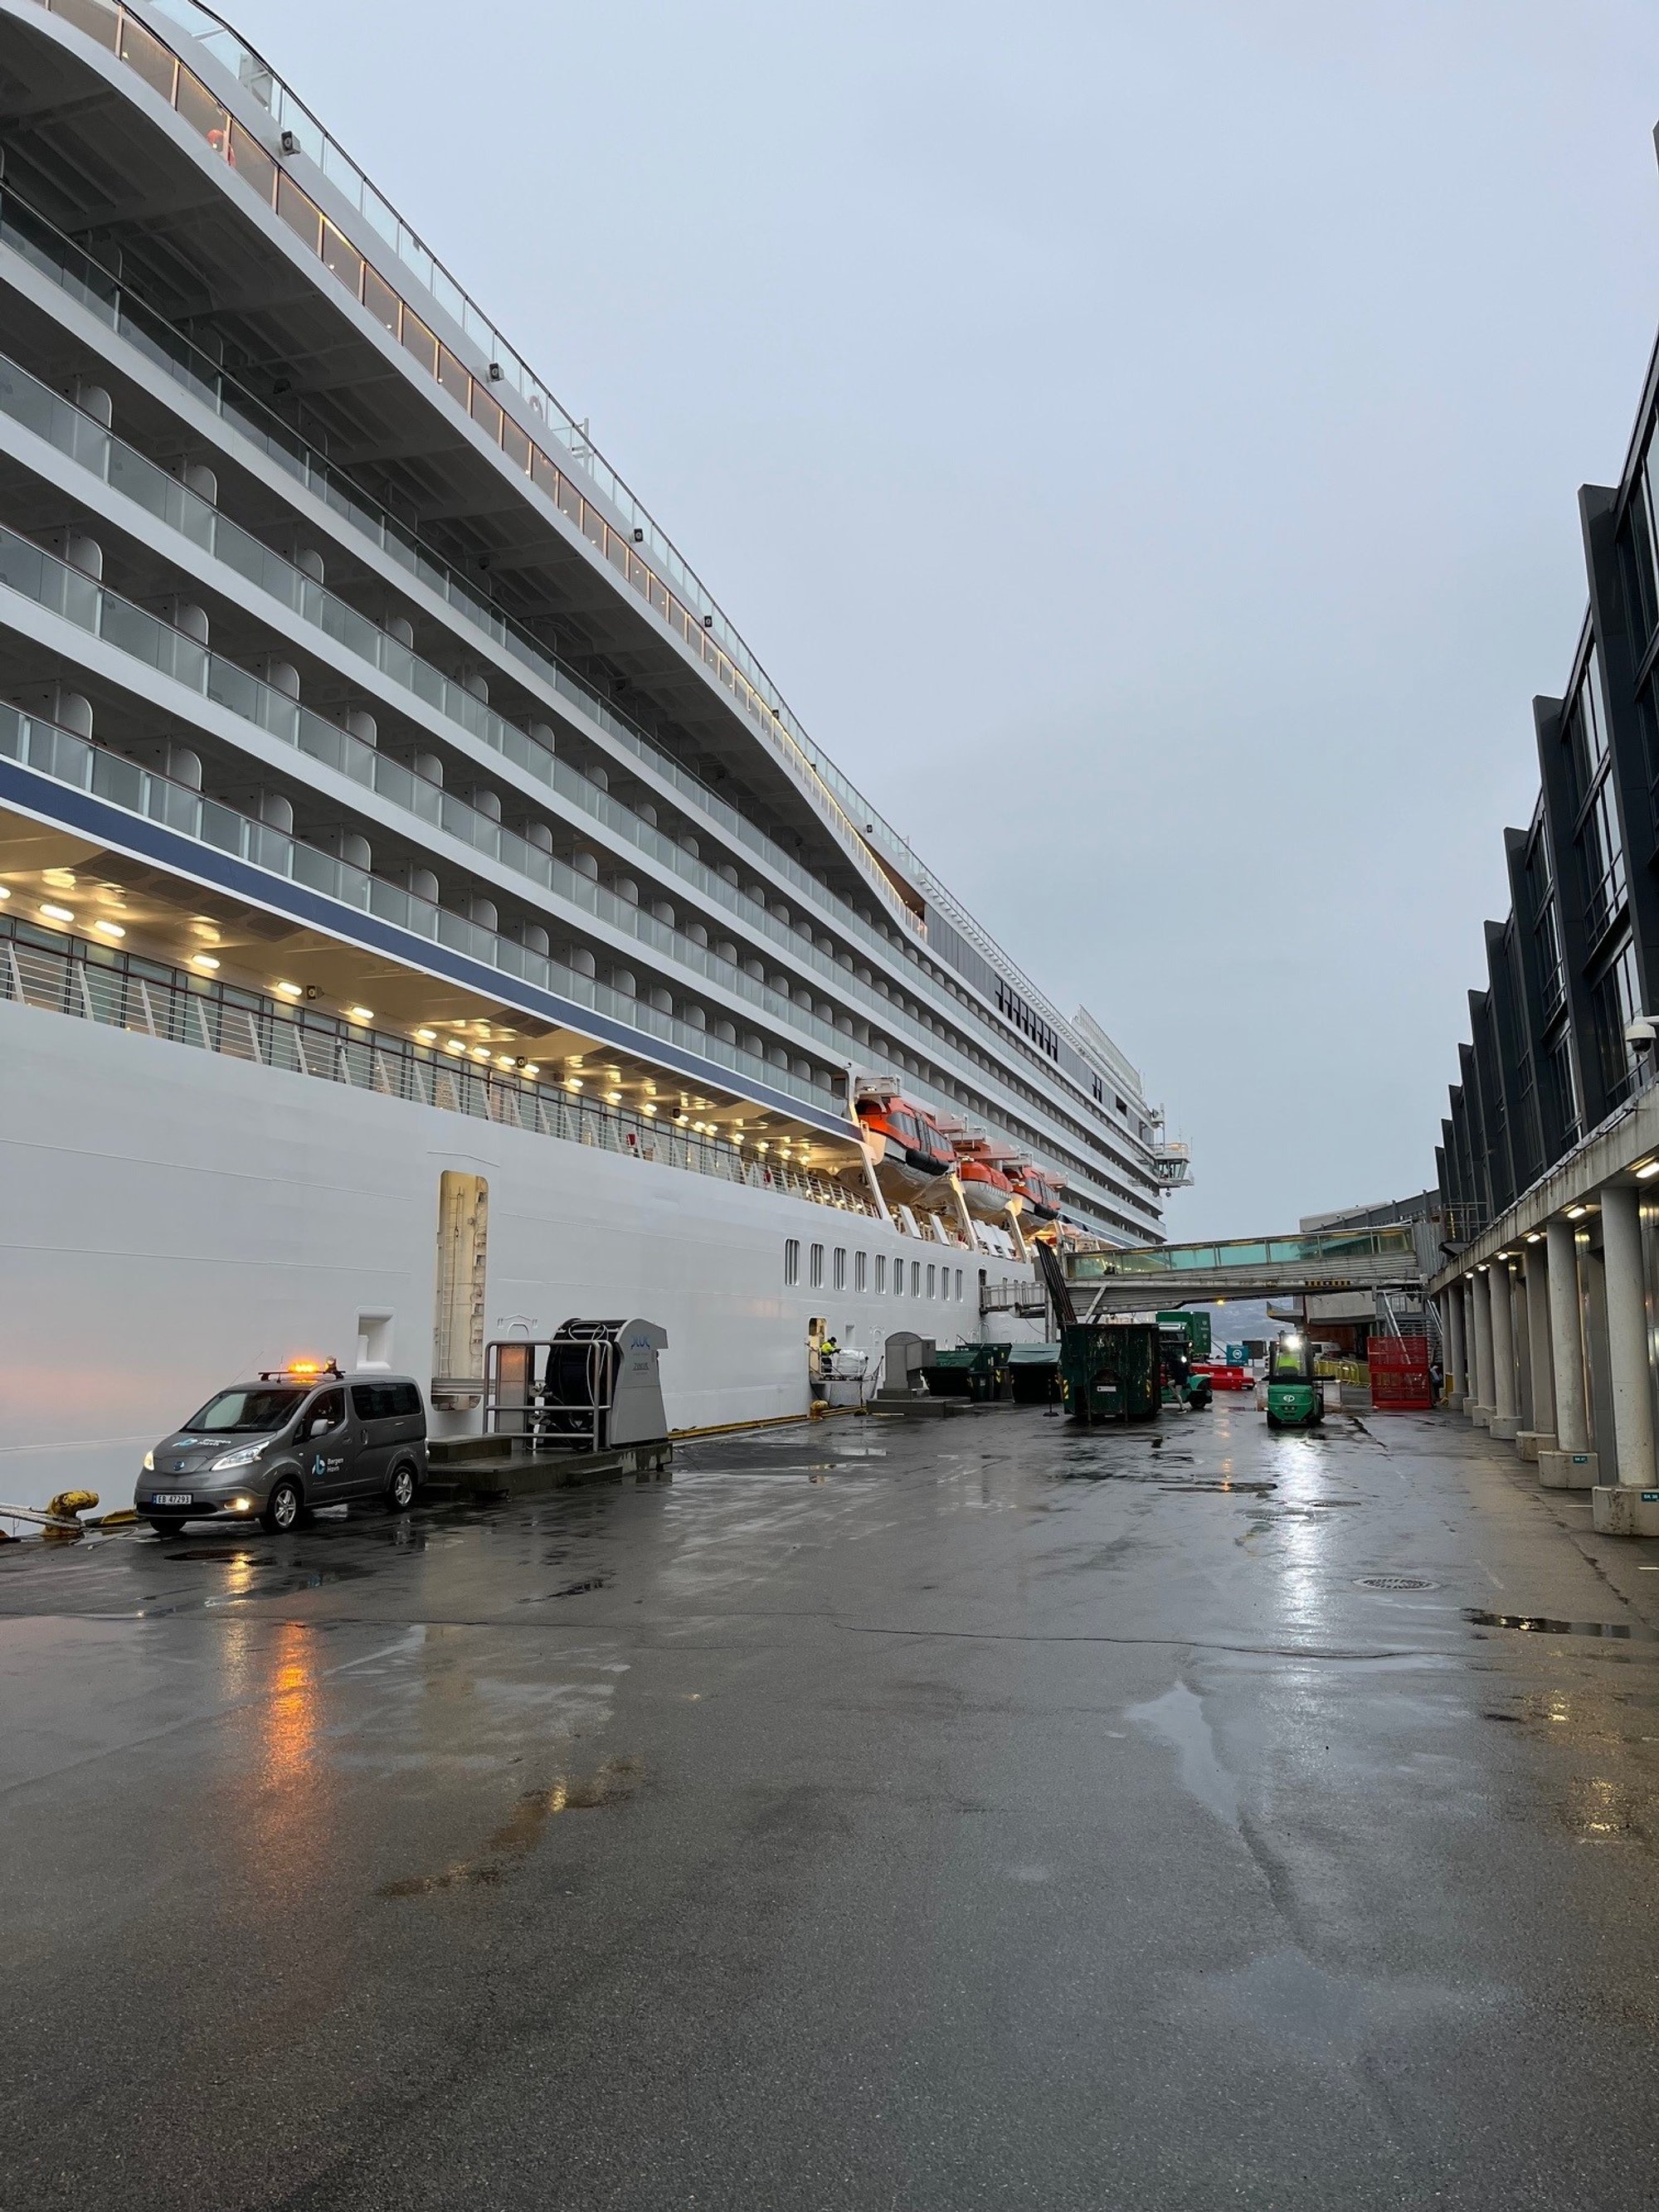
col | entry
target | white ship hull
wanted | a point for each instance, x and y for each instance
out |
(176, 1219)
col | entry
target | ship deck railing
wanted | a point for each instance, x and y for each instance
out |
(148, 998)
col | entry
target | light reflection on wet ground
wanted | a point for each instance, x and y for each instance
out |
(941, 1789)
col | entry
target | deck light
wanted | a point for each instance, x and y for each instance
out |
(481, 1052)
(204, 961)
(1647, 1168)
(1577, 1212)
(426, 1036)
(108, 928)
(289, 990)
(505, 1060)
(647, 1110)
(4, 892)
(1534, 1237)
(573, 1083)
(613, 1097)
(530, 1069)
(362, 1015)
(57, 913)
(453, 1044)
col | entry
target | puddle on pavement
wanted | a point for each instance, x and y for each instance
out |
(1219, 1489)
(1177, 1719)
(609, 1784)
(570, 1589)
(1538, 1624)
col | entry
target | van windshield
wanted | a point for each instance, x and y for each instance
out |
(252, 1412)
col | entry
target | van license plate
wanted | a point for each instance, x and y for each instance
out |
(173, 1498)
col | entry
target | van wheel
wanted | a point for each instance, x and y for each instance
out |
(165, 1528)
(282, 1507)
(400, 1491)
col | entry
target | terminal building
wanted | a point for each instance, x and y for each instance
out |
(1550, 1148)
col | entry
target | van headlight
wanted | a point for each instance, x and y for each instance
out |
(150, 1463)
(244, 1455)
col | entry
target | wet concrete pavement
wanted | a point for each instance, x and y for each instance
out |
(983, 1814)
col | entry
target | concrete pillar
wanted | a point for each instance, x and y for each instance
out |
(1540, 1435)
(1457, 1386)
(1523, 1354)
(1504, 1422)
(1480, 1411)
(1572, 1465)
(1629, 1370)
(1471, 1358)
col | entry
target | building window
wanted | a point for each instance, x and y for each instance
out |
(1563, 1091)
(791, 1260)
(815, 1267)
(838, 1268)
(860, 1271)
(930, 1280)
(1602, 855)
(1616, 1006)
(881, 1273)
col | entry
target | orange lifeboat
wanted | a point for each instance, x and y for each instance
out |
(911, 1154)
(1039, 1189)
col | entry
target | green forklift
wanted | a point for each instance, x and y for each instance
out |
(1296, 1396)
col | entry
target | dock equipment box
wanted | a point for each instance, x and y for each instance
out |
(1033, 1374)
(1111, 1371)
(978, 1371)
(592, 1387)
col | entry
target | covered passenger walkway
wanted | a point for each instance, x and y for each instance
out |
(1105, 1282)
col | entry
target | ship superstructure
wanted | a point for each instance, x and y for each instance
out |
(359, 723)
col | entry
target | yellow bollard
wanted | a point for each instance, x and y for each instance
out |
(63, 1508)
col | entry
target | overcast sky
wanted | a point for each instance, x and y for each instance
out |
(1141, 441)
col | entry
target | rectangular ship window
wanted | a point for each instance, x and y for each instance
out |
(916, 1278)
(839, 1275)
(342, 260)
(248, 156)
(791, 1260)
(299, 211)
(453, 378)
(958, 1287)
(860, 1271)
(382, 300)
(487, 414)
(930, 1279)
(147, 56)
(419, 341)
(815, 1267)
(881, 1273)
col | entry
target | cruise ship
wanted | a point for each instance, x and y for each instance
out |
(421, 917)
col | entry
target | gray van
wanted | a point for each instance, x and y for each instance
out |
(296, 1439)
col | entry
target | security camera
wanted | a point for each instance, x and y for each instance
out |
(1641, 1033)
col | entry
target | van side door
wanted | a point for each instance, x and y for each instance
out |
(325, 1447)
(372, 1430)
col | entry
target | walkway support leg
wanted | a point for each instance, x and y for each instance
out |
(1504, 1422)
(1540, 1436)
(1471, 1351)
(1481, 1412)
(1619, 1507)
(1571, 1465)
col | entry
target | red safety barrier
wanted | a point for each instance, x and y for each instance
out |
(1400, 1382)
(1222, 1378)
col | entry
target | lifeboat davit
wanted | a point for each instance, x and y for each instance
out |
(1041, 1192)
(912, 1155)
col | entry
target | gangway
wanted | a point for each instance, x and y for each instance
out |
(1137, 1278)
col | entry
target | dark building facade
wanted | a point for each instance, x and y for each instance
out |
(1576, 963)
